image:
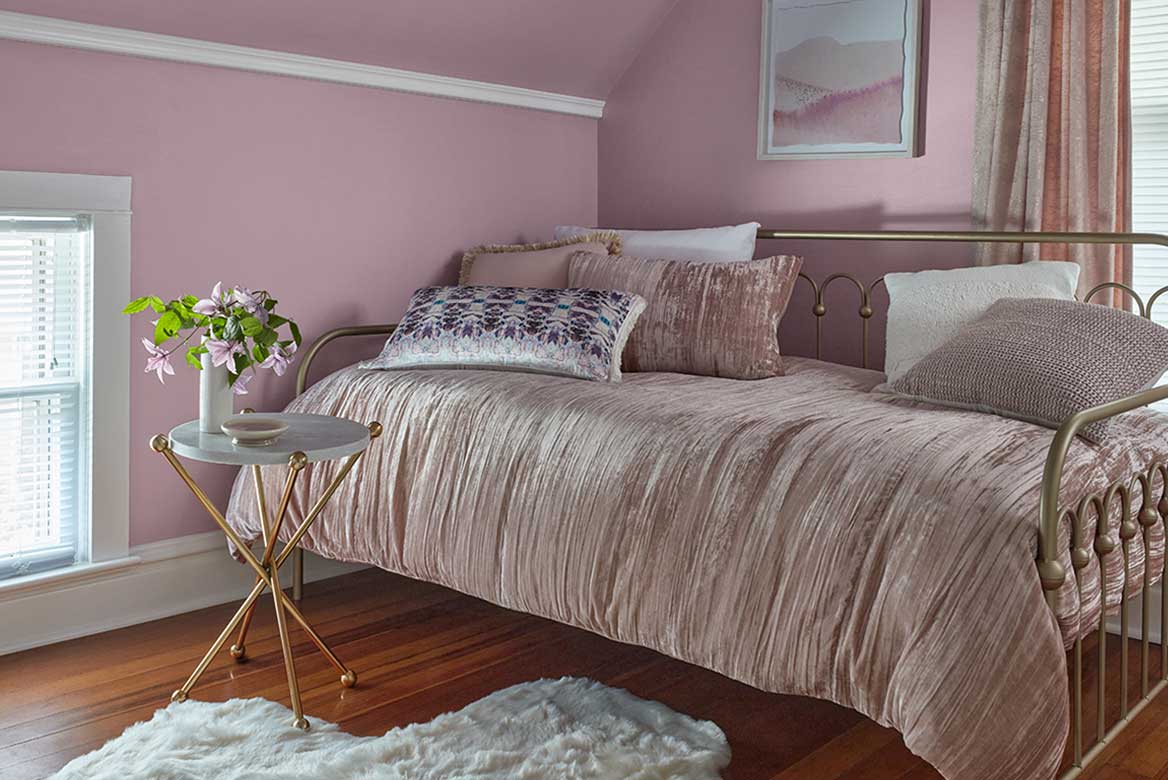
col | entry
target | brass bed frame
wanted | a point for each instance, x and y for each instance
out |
(1150, 485)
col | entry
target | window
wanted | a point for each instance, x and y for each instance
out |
(45, 263)
(1149, 85)
(64, 377)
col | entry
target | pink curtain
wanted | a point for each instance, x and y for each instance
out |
(1052, 142)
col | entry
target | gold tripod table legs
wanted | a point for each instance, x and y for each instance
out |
(267, 569)
(181, 693)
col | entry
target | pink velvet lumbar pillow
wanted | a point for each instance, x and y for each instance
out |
(1041, 360)
(712, 319)
(531, 265)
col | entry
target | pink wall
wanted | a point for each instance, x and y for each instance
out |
(340, 200)
(678, 144)
(580, 48)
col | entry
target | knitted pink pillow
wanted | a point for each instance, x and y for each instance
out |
(1041, 360)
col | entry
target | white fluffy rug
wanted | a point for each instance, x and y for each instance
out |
(567, 728)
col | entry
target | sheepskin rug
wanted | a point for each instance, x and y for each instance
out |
(563, 729)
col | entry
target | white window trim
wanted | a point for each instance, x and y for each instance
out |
(107, 199)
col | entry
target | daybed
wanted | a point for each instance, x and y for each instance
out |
(799, 533)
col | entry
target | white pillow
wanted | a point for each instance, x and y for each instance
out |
(927, 308)
(715, 245)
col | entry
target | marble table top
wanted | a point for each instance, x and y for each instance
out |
(318, 436)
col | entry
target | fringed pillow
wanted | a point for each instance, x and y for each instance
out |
(575, 333)
(531, 265)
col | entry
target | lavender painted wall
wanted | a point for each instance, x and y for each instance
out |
(570, 46)
(341, 200)
(678, 144)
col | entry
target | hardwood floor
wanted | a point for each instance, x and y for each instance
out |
(420, 650)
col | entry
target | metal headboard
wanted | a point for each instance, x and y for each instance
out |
(866, 311)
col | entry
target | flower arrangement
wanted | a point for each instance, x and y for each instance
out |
(238, 328)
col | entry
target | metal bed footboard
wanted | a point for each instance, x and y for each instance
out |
(1134, 526)
(301, 385)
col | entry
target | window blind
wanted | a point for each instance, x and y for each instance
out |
(44, 347)
(1149, 87)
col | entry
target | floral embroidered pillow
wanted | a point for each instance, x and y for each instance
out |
(569, 332)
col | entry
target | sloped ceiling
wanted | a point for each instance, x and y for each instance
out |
(576, 47)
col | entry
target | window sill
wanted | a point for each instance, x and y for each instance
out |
(68, 576)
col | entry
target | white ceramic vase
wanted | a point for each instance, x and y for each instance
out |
(216, 401)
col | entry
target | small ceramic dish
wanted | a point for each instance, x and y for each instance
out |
(253, 430)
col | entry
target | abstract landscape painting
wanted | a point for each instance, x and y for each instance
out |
(838, 78)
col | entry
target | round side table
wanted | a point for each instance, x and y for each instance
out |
(309, 438)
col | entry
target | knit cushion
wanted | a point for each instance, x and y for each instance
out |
(1041, 360)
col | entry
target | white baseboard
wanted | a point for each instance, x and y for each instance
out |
(158, 580)
(1135, 628)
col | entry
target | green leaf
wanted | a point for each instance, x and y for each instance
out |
(270, 303)
(259, 354)
(275, 320)
(189, 300)
(231, 329)
(266, 338)
(167, 327)
(156, 303)
(184, 313)
(193, 358)
(292, 326)
(241, 362)
(251, 326)
(136, 305)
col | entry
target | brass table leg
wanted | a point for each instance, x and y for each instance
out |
(267, 571)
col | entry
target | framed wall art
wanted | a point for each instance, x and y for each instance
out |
(839, 78)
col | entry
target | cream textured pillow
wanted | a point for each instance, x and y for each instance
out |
(1041, 360)
(714, 319)
(531, 265)
(711, 245)
(927, 308)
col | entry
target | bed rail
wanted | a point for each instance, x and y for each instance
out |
(866, 311)
(332, 335)
(301, 385)
(1051, 572)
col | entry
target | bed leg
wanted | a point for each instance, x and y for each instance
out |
(297, 574)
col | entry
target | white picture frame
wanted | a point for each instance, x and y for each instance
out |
(800, 21)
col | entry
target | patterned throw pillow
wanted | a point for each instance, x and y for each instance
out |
(1041, 360)
(574, 332)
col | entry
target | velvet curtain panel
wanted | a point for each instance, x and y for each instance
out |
(1052, 147)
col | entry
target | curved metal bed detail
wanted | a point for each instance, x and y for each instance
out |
(1142, 499)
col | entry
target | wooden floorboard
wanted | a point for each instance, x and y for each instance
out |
(421, 650)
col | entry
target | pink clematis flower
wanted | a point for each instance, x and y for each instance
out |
(279, 357)
(249, 300)
(222, 351)
(159, 360)
(216, 304)
(240, 386)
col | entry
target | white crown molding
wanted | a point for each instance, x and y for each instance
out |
(115, 40)
(155, 581)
